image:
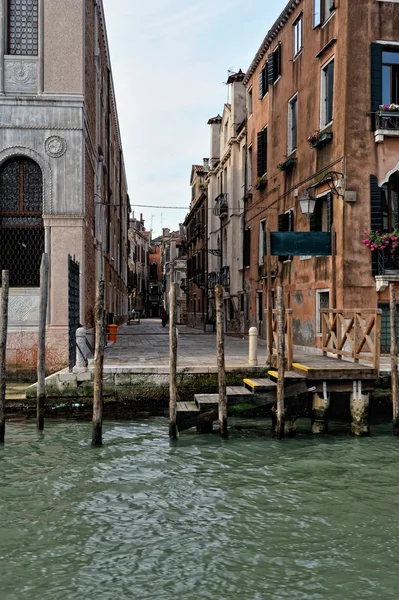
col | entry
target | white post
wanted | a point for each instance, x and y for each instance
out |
(81, 351)
(253, 347)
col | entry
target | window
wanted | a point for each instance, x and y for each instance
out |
(322, 303)
(322, 218)
(247, 247)
(263, 81)
(292, 123)
(322, 9)
(21, 222)
(390, 77)
(23, 27)
(249, 102)
(249, 165)
(286, 223)
(274, 65)
(192, 193)
(262, 152)
(262, 241)
(297, 28)
(327, 94)
(226, 131)
(243, 164)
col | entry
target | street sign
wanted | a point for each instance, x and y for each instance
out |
(301, 243)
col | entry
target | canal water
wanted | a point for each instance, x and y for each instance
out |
(248, 519)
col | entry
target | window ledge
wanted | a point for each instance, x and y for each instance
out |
(382, 281)
(297, 55)
(379, 134)
(328, 20)
(278, 79)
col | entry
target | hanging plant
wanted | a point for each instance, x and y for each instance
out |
(374, 240)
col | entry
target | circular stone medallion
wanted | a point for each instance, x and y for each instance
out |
(55, 146)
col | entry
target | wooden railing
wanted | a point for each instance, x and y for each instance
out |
(272, 339)
(352, 334)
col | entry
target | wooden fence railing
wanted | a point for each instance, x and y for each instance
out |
(352, 333)
(272, 338)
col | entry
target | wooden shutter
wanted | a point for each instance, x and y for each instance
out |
(329, 201)
(376, 79)
(260, 154)
(281, 222)
(375, 216)
(264, 148)
(270, 69)
(290, 220)
(265, 82)
(261, 79)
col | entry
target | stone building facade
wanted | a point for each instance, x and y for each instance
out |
(139, 240)
(62, 178)
(226, 191)
(316, 124)
(174, 268)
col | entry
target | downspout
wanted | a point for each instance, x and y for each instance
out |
(109, 193)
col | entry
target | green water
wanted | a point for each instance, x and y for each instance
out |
(250, 519)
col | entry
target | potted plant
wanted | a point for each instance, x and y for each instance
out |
(375, 240)
(318, 138)
(389, 107)
(261, 182)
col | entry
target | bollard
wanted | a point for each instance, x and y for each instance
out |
(253, 347)
(81, 354)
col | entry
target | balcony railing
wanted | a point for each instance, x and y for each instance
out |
(199, 279)
(387, 120)
(219, 278)
(388, 262)
(221, 205)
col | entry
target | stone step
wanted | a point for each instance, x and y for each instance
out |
(287, 375)
(187, 407)
(234, 393)
(259, 386)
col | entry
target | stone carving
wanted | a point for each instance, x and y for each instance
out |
(55, 146)
(24, 307)
(20, 75)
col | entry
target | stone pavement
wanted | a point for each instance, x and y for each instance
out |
(147, 345)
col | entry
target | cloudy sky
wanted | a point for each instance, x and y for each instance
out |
(170, 59)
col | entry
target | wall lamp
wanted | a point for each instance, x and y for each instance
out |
(308, 202)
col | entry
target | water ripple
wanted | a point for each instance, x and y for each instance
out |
(250, 519)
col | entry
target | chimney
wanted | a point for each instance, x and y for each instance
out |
(165, 232)
(206, 164)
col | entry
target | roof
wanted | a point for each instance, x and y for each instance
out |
(196, 169)
(217, 119)
(236, 77)
(270, 36)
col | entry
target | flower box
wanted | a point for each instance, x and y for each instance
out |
(319, 140)
(389, 107)
(261, 183)
(288, 164)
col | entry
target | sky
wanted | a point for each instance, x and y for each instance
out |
(170, 59)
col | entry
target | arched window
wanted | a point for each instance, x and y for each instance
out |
(21, 221)
(23, 27)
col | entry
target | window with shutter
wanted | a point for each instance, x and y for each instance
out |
(322, 10)
(274, 65)
(286, 223)
(262, 153)
(322, 218)
(263, 82)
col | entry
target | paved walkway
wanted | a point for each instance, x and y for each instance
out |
(147, 344)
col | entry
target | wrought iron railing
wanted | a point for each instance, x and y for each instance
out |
(387, 120)
(388, 262)
(219, 278)
(221, 205)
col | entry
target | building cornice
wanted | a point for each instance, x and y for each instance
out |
(270, 37)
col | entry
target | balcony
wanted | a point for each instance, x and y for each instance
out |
(219, 278)
(388, 269)
(386, 124)
(221, 207)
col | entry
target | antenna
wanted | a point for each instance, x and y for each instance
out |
(151, 222)
(229, 72)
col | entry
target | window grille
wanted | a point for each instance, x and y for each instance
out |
(23, 25)
(21, 222)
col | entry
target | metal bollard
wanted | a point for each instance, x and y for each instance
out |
(253, 347)
(81, 354)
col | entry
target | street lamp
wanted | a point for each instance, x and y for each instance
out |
(307, 204)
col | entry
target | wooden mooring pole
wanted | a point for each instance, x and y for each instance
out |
(394, 358)
(172, 362)
(221, 362)
(269, 299)
(41, 352)
(98, 400)
(280, 420)
(3, 349)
